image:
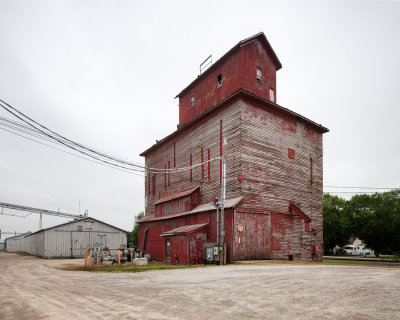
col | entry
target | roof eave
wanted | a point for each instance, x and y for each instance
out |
(237, 93)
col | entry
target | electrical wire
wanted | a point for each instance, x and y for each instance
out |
(373, 188)
(88, 151)
(72, 154)
(32, 180)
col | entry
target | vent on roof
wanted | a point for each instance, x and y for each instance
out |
(206, 63)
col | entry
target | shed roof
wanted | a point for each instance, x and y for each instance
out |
(19, 235)
(185, 230)
(260, 36)
(230, 203)
(76, 220)
(176, 195)
(241, 93)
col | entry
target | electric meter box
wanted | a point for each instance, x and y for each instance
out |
(211, 252)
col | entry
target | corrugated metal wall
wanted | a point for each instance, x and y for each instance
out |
(15, 244)
(71, 240)
(34, 244)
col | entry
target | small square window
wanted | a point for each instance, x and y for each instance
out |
(79, 228)
(192, 101)
(259, 75)
(271, 95)
(219, 80)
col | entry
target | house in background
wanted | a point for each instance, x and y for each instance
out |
(273, 207)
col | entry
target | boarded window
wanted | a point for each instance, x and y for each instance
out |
(192, 101)
(271, 95)
(259, 75)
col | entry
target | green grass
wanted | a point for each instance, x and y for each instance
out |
(389, 257)
(358, 263)
(131, 268)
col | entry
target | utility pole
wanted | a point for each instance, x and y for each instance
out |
(223, 195)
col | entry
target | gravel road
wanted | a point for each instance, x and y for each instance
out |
(32, 289)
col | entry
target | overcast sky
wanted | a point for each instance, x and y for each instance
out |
(105, 73)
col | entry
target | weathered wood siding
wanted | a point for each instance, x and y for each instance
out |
(271, 178)
(202, 136)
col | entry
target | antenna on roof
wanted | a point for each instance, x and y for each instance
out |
(206, 63)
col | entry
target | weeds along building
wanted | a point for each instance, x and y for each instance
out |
(273, 157)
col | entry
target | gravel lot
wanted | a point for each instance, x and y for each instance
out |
(32, 289)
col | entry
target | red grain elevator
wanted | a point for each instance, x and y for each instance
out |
(273, 207)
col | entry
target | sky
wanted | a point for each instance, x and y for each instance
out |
(105, 74)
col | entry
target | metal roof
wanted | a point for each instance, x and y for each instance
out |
(237, 94)
(19, 235)
(229, 203)
(152, 217)
(263, 40)
(176, 195)
(185, 230)
(75, 220)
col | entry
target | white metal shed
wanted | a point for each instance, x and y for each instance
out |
(15, 243)
(72, 238)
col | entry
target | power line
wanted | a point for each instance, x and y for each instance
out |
(33, 180)
(373, 188)
(87, 151)
(356, 192)
(72, 154)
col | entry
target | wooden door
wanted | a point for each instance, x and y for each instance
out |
(168, 250)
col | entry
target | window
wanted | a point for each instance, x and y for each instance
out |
(192, 101)
(219, 80)
(271, 95)
(79, 228)
(259, 75)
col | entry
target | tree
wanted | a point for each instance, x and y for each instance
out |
(134, 235)
(377, 220)
(337, 222)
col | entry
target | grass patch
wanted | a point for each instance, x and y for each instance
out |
(131, 268)
(358, 263)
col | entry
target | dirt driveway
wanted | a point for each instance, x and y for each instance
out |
(32, 290)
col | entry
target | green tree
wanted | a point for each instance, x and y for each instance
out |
(134, 235)
(337, 222)
(377, 220)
